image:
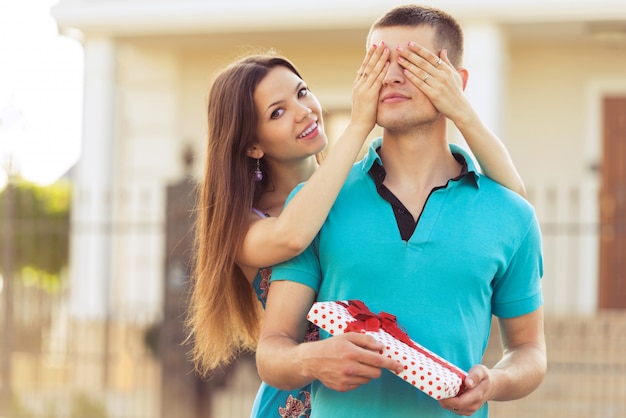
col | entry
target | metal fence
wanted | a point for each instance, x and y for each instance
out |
(586, 370)
(63, 368)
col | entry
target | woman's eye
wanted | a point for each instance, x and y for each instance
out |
(276, 114)
(303, 92)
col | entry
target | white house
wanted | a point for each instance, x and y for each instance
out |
(549, 76)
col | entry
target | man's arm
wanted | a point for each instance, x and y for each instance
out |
(342, 362)
(520, 370)
(524, 361)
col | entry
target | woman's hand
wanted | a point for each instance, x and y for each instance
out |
(367, 85)
(438, 79)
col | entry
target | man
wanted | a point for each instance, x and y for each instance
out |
(419, 233)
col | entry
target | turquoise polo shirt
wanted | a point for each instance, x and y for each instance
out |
(475, 252)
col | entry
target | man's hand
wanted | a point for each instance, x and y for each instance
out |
(478, 388)
(345, 362)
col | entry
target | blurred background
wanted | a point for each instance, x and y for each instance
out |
(102, 136)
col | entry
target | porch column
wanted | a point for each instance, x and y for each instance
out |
(91, 227)
(485, 59)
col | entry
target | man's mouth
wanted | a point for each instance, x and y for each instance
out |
(394, 98)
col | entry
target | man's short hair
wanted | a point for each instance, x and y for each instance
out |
(448, 32)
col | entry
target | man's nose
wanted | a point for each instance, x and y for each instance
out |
(395, 74)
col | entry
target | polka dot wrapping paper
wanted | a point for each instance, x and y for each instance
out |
(423, 369)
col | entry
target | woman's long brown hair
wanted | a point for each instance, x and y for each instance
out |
(224, 315)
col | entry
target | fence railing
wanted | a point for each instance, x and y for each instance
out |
(63, 367)
(568, 215)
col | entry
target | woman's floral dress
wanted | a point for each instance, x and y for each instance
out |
(275, 403)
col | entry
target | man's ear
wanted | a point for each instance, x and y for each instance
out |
(464, 76)
(254, 152)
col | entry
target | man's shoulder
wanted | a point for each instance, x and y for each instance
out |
(358, 172)
(493, 186)
(503, 197)
(506, 199)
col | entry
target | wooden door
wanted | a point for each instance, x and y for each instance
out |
(612, 292)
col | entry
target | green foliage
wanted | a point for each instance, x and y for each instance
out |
(37, 239)
(18, 409)
(84, 407)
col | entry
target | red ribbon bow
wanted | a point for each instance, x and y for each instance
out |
(369, 321)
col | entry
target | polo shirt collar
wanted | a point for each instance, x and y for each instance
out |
(372, 156)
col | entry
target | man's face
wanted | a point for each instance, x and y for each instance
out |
(402, 105)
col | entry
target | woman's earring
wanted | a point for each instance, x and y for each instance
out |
(258, 174)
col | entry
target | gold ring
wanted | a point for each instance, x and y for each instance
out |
(426, 78)
(359, 73)
(437, 63)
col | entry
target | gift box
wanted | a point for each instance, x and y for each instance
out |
(430, 373)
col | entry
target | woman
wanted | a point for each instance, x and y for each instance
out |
(265, 129)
